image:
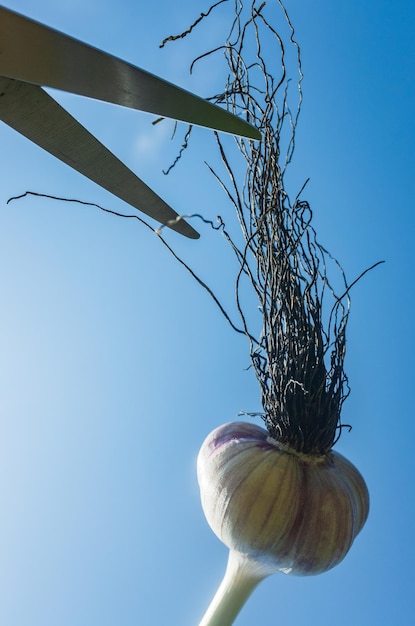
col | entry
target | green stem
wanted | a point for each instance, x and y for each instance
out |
(241, 577)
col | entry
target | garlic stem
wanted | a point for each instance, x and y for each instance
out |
(241, 577)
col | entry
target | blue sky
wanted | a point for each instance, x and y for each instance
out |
(115, 365)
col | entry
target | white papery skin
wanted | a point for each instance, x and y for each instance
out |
(275, 509)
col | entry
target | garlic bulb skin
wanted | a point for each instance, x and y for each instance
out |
(287, 511)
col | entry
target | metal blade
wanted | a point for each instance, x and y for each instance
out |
(34, 53)
(31, 111)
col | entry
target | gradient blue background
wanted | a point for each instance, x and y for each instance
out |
(114, 364)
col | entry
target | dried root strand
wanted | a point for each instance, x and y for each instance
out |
(190, 29)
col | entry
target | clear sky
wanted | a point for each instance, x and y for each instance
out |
(115, 365)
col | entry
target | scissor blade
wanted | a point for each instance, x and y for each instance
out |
(32, 52)
(31, 111)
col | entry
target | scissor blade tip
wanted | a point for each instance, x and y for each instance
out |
(189, 232)
(253, 133)
(248, 132)
(182, 228)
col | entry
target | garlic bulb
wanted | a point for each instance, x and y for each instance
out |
(287, 511)
(276, 509)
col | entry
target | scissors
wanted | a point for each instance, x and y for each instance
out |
(33, 56)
